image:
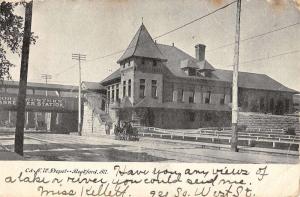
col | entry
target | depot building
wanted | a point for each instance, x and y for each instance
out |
(160, 85)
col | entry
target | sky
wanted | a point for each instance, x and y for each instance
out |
(97, 28)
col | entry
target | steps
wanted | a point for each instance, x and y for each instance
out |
(94, 118)
(266, 121)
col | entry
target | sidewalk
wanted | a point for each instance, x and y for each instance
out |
(7, 155)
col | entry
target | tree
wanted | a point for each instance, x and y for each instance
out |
(11, 35)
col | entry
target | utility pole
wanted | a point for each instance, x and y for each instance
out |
(235, 107)
(46, 77)
(79, 57)
(21, 102)
(47, 114)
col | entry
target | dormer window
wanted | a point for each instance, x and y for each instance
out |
(207, 73)
(192, 72)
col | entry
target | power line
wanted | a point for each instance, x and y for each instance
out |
(223, 46)
(46, 77)
(182, 26)
(265, 58)
(255, 36)
(68, 68)
(170, 31)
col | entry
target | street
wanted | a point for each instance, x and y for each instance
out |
(60, 147)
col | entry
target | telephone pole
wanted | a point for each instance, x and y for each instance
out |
(46, 77)
(235, 107)
(79, 57)
(21, 102)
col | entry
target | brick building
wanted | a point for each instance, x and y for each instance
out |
(162, 86)
(51, 107)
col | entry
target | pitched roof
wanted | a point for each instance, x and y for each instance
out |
(142, 45)
(176, 58)
(199, 65)
(114, 76)
(41, 85)
(92, 86)
(253, 81)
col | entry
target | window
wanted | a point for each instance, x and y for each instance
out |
(180, 95)
(124, 89)
(192, 116)
(112, 93)
(261, 104)
(103, 105)
(207, 116)
(117, 92)
(143, 61)
(129, 88)
(272, 105)
(154, 63)
(192, 72)
(207, 98)
(222, 100)
(154, 89)
(174, 96)
(123, 65)
(142, 88)
(191, 98)
(207, 74)
(287, 105)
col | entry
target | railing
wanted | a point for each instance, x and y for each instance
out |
(211, 135)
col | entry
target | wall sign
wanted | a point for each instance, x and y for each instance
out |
(40, 102)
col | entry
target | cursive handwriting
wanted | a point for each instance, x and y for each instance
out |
(105, 190)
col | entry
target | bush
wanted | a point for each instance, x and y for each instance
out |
(290, 131)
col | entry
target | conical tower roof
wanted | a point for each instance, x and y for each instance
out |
(142, 45)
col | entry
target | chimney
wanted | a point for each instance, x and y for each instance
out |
(200, 52)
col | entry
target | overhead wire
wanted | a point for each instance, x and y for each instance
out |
(255, 36)
(170, 31)
(266, 58)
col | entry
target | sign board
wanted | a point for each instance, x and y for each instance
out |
(44, 103)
